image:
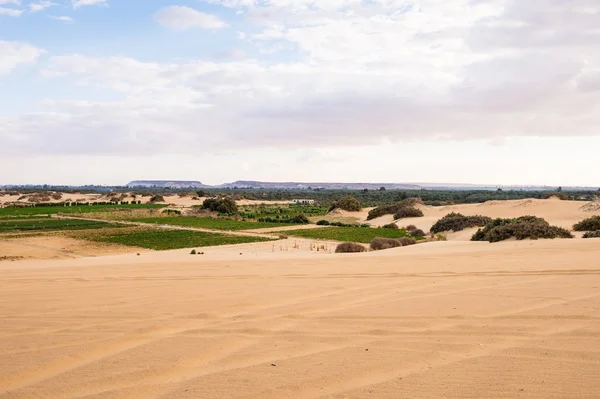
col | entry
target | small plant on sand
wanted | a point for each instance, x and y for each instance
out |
(323, 223)
(349, 247)
(417, 233)
(408, 212)
(458, 222)
(391, 226)
(193, 252)
(157, 198)
(379, 243)
(225, 205)
(592, 234)
(589, 224)
(406, 241)
(403, 209)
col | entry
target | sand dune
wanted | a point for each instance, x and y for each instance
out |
(448, 319)
(556, 212)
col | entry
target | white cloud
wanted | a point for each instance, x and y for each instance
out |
(182, 18)
(16, 2)
(82, 3)
(14, 54)
(11, 12)
(41, 5)
(62, 18)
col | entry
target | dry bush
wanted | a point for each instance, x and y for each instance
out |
(391, 226)
(458, 222)
(592, 234)
(417, 233)
(394, 208)
(411, 227)
(380, 243)
(349, 247)
(408, 212)
(589, 224)
(348, 203)
(56, 196)
(520, 228)
(157, 198)
(406, 241)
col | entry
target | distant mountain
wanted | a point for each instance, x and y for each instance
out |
(330, 186)
(166, 184)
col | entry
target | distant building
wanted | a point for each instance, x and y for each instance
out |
(303, 201)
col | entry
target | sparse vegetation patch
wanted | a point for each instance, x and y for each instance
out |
(525, 227)
(350, 247)
(589, 224)
(458, 222)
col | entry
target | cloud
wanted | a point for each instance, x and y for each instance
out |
(350, 73)
(83, 3)
(62, 18)
(41, 5)
(182, 18)
(15, 2)
(14, 54)
(11, 12)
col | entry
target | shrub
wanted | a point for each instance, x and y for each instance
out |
(348, 203)
(349, 247)
(417, 233)
(406, 241)
(397, 208)
(300, 219)
(193, 252)
(411, 227)
(408, 212)
(222, 205)
(391, 226)
(379, 243)
(323, 223)
(592, 234)
(458, 222)
(521, 228)
(157, 198)
(589, 224)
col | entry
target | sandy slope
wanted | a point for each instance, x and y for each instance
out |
(557, 212)
(450, 319)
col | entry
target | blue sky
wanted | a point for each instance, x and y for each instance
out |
(323, 89)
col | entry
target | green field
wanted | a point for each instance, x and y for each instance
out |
(208, 223)
(11, 226)
(162, 239)
(351, 234)
(52, 210)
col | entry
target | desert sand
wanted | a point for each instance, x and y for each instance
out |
(443, 319)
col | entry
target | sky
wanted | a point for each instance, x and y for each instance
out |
(503, 92)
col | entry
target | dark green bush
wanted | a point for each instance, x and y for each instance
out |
(589, 224)
(350, 247)
(592, 234)
(348, 203)
(458, 222)
(379, 243)
(521, 228)
(397, 208)
(300, 219)
(222, 205)
(323, 223)
(391, 226)
(408, 212)
(157, 198)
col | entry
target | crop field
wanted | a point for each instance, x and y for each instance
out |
(52, 210)
(33, 225)
(162, 239)
(283, 211)
(208, 223)
(351, 234)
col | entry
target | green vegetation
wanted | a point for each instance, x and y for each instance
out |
(163, 239)
(520, 228)
(52, 210)
(50, 225)
(208, 223)
(348, 203)
(458, 222)
(400, 210)
(279, 212)
(592, 234)
(348, 234)
(224, 206)
(350, 247)
(589, 224)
